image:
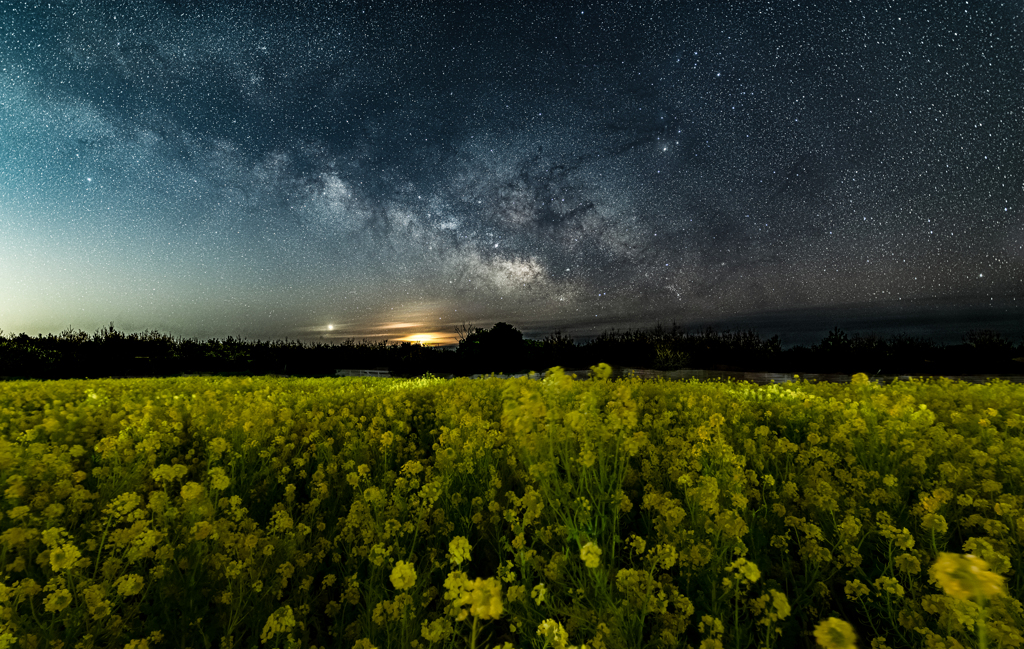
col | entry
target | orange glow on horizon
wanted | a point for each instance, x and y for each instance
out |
(422, 333)
(430, 338)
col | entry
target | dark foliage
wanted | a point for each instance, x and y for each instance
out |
(108, 352)
(501, 349)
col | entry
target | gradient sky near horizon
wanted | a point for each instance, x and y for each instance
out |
(336, 169)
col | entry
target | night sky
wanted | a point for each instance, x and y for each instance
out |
(314, 170)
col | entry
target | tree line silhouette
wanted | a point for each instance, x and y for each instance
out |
(501, 349)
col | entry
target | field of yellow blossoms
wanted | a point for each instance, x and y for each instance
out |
(282, 512)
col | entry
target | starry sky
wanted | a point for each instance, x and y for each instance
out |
(321, 170)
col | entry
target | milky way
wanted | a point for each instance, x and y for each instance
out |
(395, 168)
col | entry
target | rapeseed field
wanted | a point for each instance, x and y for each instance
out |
(378, 513)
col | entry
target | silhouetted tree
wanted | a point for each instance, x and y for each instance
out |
(500, 349)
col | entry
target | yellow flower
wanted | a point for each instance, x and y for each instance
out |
(403, 576)
(637, 543)
(168, 473)
(908, 563)
(664, 555)
(373, 495)
(218, 446)
(587, 456)
(98, 606)
(458, 550)
(191, 491)
(554, 634)
(52, 536)
(636, 585)
(412, 467)
(934, 523)
(64, 557)
(516, 593)
(280, 621)
(834, 633)
(965, 576)
(455, 584)
(27, 588)
(204, 529)
(905, 540)
(218, 479)
(781, 604)
(280, 522)
(856, 589)
(483, 597)
(747, 570)
(129, 585)
(591, 555)
(889, 585)
(437, 630)
(57, 601)
(538, 593)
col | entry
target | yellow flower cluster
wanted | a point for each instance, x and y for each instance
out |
(555, 636)
(403, 576)
(459, 550)
(280, 621)
(965, 576)
(834, 633)
(482, 596)
(378, 513)
(591, 555)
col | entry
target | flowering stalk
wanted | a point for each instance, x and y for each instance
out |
(967, 577)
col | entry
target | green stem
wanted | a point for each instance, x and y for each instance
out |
(103, 539)
(643, 609)
(982, 627)
(736, 615)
